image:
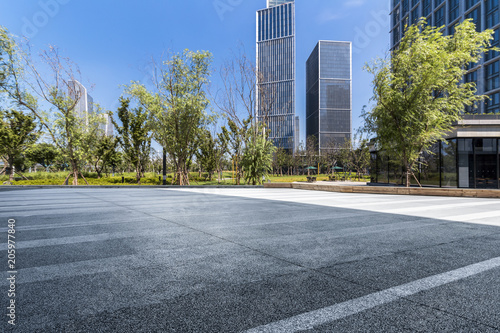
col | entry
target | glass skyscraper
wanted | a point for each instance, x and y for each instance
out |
(276, 71)
(448, 13)
(328, 94)
(85, 102)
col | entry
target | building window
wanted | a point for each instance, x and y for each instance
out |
(414, 3)
(429, 163)
(451, 29)
(405, 7)
(395, 17)
(427, 7)
(471, 78)
(470, 3)
(439, 17)
(395, 3)
(475, 15)
(492, 76)
(493, 103)
(495, 43)
(395, 36)
(491, 13)
(415, 15)
(437, 3)
(449, 163)
(454, 10)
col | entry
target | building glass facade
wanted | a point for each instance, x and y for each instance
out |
(276, 68)
(461, 162)
(328, 94)
(448, 13)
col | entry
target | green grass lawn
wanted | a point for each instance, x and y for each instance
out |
(57, 178)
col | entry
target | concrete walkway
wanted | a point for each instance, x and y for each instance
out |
(345, 187)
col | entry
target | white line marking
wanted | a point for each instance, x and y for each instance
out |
(335, 312)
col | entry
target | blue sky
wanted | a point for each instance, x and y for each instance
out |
(113, 41)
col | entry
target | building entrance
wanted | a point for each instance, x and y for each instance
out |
(486, 171)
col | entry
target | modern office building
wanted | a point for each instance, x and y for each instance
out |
(276, 66)
(471, 156)
(107, 126)
(85, 102)
(328, 94)
(297, 134)
(85, 106)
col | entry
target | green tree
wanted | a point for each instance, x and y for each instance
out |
(134, 136)
(178, 106)
(257, 155)
(54, 85)
(420, 93)
(211, 152)
(360, 153)
(206, 154)
(236, 137)
(311, 152)
(102, 152)
(44, 154)
(17, 134)
(281, 158)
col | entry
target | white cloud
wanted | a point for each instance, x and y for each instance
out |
(328, 15)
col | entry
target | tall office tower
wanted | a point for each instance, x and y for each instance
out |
(447, 13)
(328, 94)
(297, 134)
(107, 127)
(85, 104)
(276, 71)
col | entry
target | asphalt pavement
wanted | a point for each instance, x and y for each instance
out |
(247, 260)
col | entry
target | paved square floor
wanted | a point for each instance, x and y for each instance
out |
(250, 260)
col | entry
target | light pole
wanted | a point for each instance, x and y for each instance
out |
(164, 167)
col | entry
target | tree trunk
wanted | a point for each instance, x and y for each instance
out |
(138, 174)
(74, 167)
(86, 182)
(10, 171)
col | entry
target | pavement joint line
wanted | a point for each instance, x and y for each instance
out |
(309, 320)
(349, 232)
(72, 225)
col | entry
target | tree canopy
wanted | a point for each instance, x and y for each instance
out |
(17, 134)
(177, 106)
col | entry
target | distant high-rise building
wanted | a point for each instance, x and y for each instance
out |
(273, 3)
(107, 126)
(85, 102)
(328, 94)
(276, 71)
(85, 106)
(297, 133)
